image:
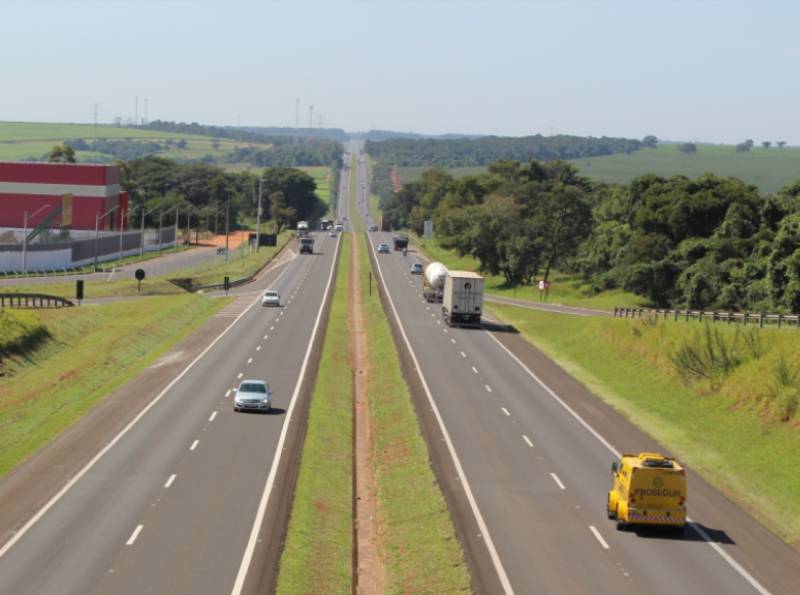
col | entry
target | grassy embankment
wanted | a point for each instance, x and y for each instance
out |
(240, 265)
(318, 555)
(564, 289)
(728, 425)
(373, 201)
(418, 545)
(56, 364)
(23, 140)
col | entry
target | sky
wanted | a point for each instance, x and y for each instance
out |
(682, 70)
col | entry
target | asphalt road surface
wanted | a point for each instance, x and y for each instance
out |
(530, 452)
(155, 267)
(175, 503)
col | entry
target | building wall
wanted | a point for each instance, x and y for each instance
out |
(31, 186)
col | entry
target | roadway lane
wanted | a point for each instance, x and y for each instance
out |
(539, 477)
(155, 267)
(171, 507)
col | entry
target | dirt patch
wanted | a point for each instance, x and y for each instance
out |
(369, 571)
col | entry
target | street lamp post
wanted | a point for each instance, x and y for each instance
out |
(122, 230)
(160, 222)
(97, 218)
(258, 214)
(141, 242)
(25, 237)
(227, 228)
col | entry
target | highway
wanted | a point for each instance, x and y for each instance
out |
(527, 453)
(182, 499)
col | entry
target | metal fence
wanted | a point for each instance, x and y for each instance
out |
(744, 318)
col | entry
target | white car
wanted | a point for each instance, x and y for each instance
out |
(383, 248)
(416, 268)
(271, 298)
(333, 234)
(252, 395)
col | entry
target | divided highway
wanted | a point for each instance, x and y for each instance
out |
(535, 473)
(175, 503)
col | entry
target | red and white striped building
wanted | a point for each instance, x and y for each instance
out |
(40, 189)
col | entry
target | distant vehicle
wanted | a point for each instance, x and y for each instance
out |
(271, 298)
(252, 395)
(373, 228)
(302, 228)
(325, 224)
(332, 234)
(221, 250)
(383, 248)
(462, 298)
(416, 268)
(400, 242)
(306, 245)
(433, 282)
(386, 224)
(339, 227)
(648, 489)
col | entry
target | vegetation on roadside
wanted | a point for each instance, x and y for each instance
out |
(418, 545)
(48, 384)
(723, 399)
(318, 552)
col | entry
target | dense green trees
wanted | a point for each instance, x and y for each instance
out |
(203, 190)
(487, 149)
(62, 153)
(709, 242)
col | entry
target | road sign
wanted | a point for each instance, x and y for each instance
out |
(79, 290)
(139, 274)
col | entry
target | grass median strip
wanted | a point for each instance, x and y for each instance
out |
(418, 545)
(318, 554)
(89, 352)
(728, 426)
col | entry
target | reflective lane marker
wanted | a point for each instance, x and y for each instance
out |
(488, 388)
(213, 415)
(258, 348)
(599, 537)
(250, 360)
(170, 480)
(474, 369)
(558, 481)
(240, 374)
(505, 411)
(228, 393)
(527, 440)
(134, 535)
(463, 354)
(194, 445)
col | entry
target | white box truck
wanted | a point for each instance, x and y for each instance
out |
(462, 298)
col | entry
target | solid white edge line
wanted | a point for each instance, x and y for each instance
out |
(484, 529)
(558, 481)
(262, 506)
(87, 467)
(527, 440)
(170, 480)
(599, 537)
(134, 535)
(699, 530)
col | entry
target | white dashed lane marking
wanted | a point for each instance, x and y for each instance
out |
(488, 388)
(194, 445)
(558, 481)
(213, 415)
(170, 480)
(474, 369)
(527, 440)
(134, 535)
(598, 537)
(504, 410)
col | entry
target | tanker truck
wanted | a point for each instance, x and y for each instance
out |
(433, 281)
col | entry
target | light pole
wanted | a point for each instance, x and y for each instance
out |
(97, 218)
(160, 220)
(227, 228)
(141, 243)
(25, 237)
(122, 230)
(258, 214)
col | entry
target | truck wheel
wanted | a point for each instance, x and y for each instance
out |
(622, 526)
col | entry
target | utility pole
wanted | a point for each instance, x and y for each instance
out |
(136, 111)
(296, 118)
(310, 116)
(177, 218)
(258, 214)
(95, 110)
(25, 245)
(121, 230)
(141, 245)
(227, 227)
(160, 218)
(145, 110)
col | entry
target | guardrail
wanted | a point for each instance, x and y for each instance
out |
(744, 318)
(33, 300)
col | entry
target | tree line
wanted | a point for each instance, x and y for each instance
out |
(708, 242)
(208, 192)
(460, 152)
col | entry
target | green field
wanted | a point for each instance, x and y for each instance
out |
(322, 177)
(318, 555)
(33, 140)
(729, 430)
(83, 356)
(768, 169)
